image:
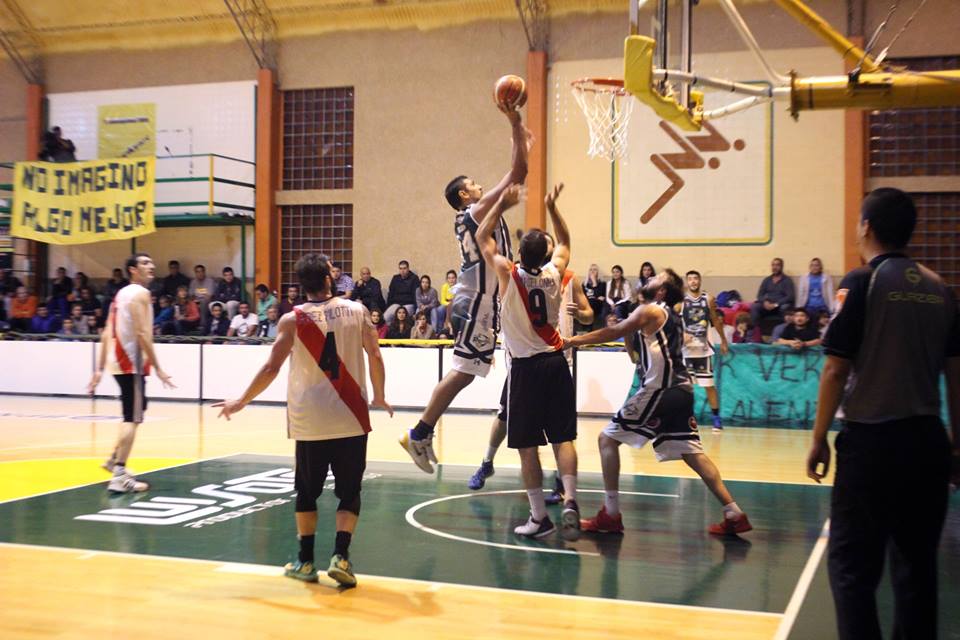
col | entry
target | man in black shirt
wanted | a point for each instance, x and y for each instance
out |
(402, 292)
(368, 291)
(228, 292)
(801, 333)
(897, 329)
(174, 280)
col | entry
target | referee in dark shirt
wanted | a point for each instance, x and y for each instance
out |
(896, 331)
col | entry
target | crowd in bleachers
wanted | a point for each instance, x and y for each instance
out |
(784, 311)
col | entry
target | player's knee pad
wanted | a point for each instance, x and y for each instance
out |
(305, 502)
(351, 504)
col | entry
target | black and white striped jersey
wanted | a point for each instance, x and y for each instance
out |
(474, 275)
(660, 363)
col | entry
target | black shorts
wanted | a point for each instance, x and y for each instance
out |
(345, 457)
(502, 413)
(541, 404)
(133, 396)
(663, 416)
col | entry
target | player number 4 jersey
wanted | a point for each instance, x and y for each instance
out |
(530, 312)
(474, 275)
(326, 390)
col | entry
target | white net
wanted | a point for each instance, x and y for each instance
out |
(607, 107)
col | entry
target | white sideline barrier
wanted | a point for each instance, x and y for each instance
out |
(218, 371)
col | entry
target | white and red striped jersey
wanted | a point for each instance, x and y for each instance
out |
(123, 350)
(530, 312)
(566, 325)
(326, 389)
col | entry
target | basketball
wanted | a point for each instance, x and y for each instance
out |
(510, 92)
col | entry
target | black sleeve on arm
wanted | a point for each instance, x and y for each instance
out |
(845, 333)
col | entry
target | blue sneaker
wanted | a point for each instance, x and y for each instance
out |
(478, 479)
(717, 424)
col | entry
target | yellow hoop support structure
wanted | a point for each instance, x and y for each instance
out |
(638, 80)
(893, 90)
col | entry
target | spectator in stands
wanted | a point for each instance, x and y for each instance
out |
(228, 292)
(268, 327)
(376, 317)
(815, 292)
(744, 332)
(217, 324)
(8, 283)
(244, 324)
(402, 292)
(778, 330)
(823, 321)
(186, 314)
(22, 310)
(79, 319)
(619, 293)
(69, 328)
(342, 282)
(60, 289)
(401, 325)
(91, 306)
(265, 300)
(611, 321)
(596, 291)
(646, 273)
(293, 299)
(56, 148)
(202, 289)
(93, 328)
(43, 321)
(368, 291)
(427, 300)
(114, 284)
(3, 314)
(174, 280)
(776, 294)
(422, 330)
(163, 320)
(80, 280)
(802, 333)
(446, 297)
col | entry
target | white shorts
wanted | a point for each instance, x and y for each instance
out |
(701, 370)
(664, 416)
(475, 343)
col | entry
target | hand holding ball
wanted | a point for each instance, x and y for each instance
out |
(510, 93)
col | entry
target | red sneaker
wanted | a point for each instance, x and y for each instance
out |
(603, 523)
(731, 526)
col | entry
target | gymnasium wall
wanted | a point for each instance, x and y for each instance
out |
(423, 114)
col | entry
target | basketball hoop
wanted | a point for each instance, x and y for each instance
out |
(607, 107)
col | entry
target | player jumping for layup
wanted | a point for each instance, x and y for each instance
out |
(127, 344)
(475, 297)
(326, 407)
(540, 396)
(662, 409)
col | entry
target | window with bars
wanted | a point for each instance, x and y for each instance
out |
(916, 142)
(319, 228)
(318, 138)
(936, 240)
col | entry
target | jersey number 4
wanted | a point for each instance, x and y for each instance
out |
(469, 247)
(537, 301)
(329, 360)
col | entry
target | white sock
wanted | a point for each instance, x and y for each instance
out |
(119, 470)
(611, 502)
(491, 454)
(731, 510)
(538, 505)
(569, 487)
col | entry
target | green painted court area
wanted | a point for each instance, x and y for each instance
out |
(239, 509)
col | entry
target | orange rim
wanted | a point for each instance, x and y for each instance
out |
(600, 85)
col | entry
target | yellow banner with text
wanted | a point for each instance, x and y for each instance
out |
(83, 202)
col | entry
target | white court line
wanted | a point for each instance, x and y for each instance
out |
(803, 584)
(502, 545)
(90, 484)
(142, 438)
(270, 570)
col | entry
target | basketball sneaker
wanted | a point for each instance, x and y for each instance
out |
(570, 521)
(478, 479)
(297, 570)
(555, 496)
(731, 526)
(418, 450)
(126, 483)
(603, 523)
(342, 571)
(717, 424)
(534, 529)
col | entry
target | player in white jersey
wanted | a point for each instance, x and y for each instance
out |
(126, 346)
(541, 406)
(475, 296)
(661, 411)
(698, 310)
(575, 305)
(327, 413)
